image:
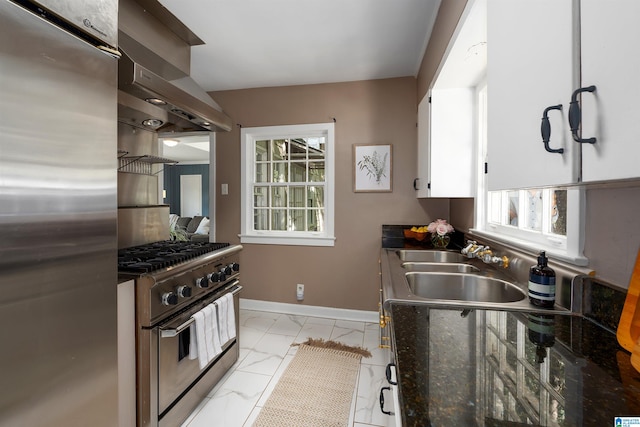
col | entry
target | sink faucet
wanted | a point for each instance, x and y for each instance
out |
(488, 258)
(472, 249)
(470, 245)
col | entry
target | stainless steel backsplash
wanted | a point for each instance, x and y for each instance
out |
(141, 219)
(138, 226)
(137, 190)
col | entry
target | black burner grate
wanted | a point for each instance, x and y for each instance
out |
(158, 255)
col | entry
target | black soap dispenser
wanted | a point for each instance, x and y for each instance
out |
(542, 283)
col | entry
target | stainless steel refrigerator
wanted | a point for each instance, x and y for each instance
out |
(58, 210)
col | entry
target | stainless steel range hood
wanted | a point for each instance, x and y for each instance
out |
(188, 106)
(155, 67)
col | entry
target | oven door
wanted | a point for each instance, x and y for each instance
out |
(176, 371)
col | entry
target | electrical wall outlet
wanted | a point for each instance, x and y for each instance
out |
(300, 291)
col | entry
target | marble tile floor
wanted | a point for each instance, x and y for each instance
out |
(265, 352)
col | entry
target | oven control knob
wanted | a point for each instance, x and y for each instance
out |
(184, 291)
(169, 298)
(226, 270)
(203, 282)
(218, 277)
(235, 266)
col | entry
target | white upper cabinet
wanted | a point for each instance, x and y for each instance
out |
(530, 67)
(447, 124)
(445, 148)
(539, 53)
(609, 45)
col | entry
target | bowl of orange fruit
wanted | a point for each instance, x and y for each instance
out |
(417, 233)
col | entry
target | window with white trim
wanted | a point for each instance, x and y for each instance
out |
(534, 219)
(288, 185)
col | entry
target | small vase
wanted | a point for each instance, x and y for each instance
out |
(440, 242)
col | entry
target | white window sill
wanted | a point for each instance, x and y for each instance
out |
(287, 240)
(534, 248)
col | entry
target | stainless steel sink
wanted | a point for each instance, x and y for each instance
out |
(463, 287)
(430, 256)
(440, 267)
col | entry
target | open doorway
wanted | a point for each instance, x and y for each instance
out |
(188, 186)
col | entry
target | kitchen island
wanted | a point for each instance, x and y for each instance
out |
(498, 368)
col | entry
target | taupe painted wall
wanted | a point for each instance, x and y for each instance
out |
(612, 232)
(375, 112)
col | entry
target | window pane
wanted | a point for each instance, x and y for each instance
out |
(534, 210)
(298, 149)
(296, 197)
(278, 197)
(495, 207)
(514, 204)
(261, 196)
(279, 219)
(316, 196)
(298, 172)
(288, 183)
(296, 220)
(559, 212)
(260, 219)
(280, 172)
(262, 172)
(262, 150)
(316, 171)
(317, 147)
(279, 149)
(315, 220)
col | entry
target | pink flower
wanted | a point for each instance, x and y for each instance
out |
(440, 227)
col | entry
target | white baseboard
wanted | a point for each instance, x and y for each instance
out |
(309, 310)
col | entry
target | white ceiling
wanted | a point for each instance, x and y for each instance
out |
(190, 148)
(260, 43)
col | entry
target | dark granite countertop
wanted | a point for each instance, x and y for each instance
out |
(498, 368)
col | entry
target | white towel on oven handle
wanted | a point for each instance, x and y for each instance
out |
(215, 335)
(193, 341)
(205, 343)
(231, 317)
(211, 332)
(222, 319)
(198, 346)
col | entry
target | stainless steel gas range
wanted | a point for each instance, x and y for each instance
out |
(173, 281)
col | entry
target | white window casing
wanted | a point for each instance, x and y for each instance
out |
(249, 234)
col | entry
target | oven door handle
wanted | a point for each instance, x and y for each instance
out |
(172, 332)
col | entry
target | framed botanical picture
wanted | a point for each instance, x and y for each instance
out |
(372, 168)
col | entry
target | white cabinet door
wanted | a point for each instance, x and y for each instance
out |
(421, 184)
(530, 66)
(446, 144)
(610, 61)
(451, 165)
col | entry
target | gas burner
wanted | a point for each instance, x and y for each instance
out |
(158, 255)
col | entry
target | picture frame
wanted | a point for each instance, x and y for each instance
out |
(372, 168)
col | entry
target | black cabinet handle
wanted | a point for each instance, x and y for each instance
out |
(575, 115)
(388, 373)
(545, 129)
(382, 401)
(415, 184)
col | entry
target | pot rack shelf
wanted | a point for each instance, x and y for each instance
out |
(144, 161)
